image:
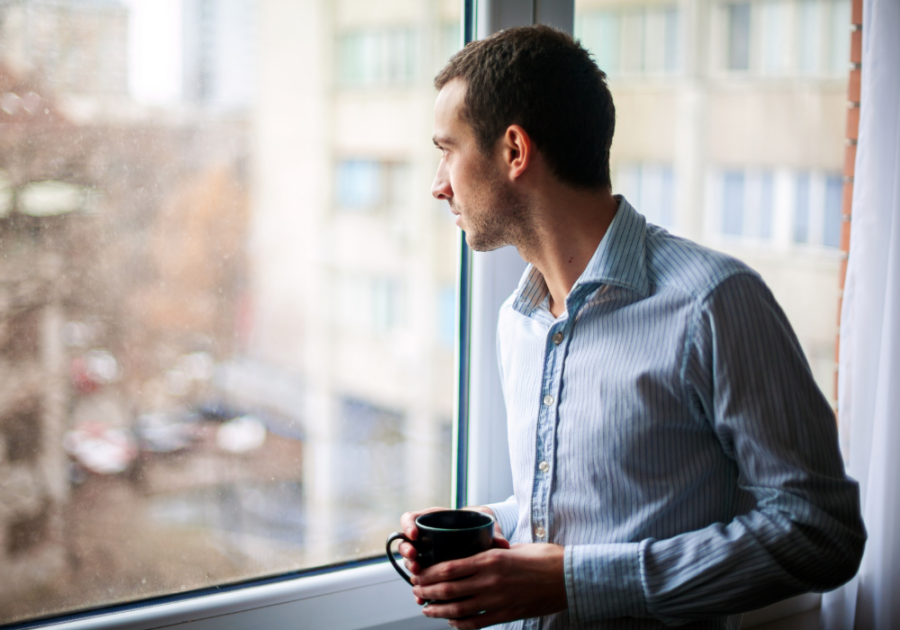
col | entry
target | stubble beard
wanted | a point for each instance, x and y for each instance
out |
(498, 217)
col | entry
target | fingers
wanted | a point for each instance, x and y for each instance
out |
(458, 569)
(501, 543)
(407, 551)
(408, 521)
(470, 610)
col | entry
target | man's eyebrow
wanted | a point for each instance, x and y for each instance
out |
(439, 140)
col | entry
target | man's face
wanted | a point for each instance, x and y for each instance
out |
(486, 205)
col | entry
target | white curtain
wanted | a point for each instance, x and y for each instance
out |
(869, 377)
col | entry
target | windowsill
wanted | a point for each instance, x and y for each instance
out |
(334, 600)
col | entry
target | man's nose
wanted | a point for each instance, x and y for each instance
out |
(440, 189)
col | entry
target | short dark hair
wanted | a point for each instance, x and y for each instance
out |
(543, 80)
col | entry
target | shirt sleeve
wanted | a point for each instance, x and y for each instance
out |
(507, 514)
(745, 375)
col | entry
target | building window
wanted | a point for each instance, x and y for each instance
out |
(371, 304)
(739, 36)
(747, 204)
(817, 209)
(780, 38)
(801, 208)
(447, 316)
(367, 185)
(650, 188)
(831, 229)
(733, 203)
(633, 41)
(377, 57)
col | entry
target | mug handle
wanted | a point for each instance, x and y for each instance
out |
(390, 555)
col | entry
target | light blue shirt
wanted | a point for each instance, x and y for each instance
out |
(667, 431)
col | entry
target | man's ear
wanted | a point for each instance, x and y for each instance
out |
(518, 151)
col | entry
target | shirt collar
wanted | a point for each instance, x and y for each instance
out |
(618, 260)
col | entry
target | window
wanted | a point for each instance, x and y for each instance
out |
(225, 359)
(377, 57)
(739, 36)
(801, 209)
(367, 185)
(747, 203)
(786, 38)
(817, 209)
(650, 187)
(632, 40)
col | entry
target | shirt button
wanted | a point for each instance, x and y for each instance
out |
(548, 400)
(539, 532)
(557, 338)
(544, 466)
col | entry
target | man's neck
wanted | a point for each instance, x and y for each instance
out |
(569, 226)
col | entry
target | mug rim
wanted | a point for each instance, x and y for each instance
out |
(490, 522)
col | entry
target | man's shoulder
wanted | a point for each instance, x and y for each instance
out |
(682, 264)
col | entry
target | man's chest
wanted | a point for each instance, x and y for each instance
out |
(598, 402)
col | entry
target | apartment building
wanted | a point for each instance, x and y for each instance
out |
(354, 263)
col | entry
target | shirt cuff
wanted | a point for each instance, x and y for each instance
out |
(507, 514)
(604, 582)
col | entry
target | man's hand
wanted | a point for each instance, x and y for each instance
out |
(495, 586)
(408, 526)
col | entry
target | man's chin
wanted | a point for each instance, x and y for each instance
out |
(475, 244)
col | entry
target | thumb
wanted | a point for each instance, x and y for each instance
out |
(500, 542)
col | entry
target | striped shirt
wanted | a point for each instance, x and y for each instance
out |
(667, 431)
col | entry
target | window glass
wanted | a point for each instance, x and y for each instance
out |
(733, 203)
(724, 151)
(809, 34)
(839, 37)
(632, 39)
(774, 37)
(765, 205)
(801, 208)
(739, 36)
(785, 38)
(227, 298)
(831, 236)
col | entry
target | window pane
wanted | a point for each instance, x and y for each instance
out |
(733, 203)
(775, 44)
(227, 297)
(599, 33)
(831, 236)
(672, 62)
(801, 208)
(739, 36)
(839, 57)
(766, 205)
(809, 29)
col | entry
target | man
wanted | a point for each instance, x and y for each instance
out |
(673, 461)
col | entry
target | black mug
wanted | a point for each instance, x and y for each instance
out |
(446, 535)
